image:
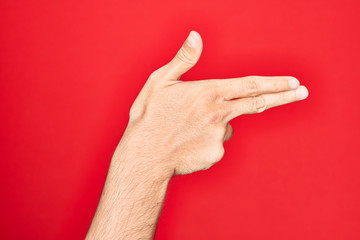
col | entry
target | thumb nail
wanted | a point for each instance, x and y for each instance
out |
(192, 39)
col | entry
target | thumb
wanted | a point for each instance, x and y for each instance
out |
(186, 57)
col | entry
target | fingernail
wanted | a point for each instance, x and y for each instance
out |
(293, 83)
(301, 93)
(192, 39)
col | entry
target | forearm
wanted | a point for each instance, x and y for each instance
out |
(133, 194)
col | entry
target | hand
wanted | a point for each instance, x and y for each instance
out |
(187, 122)
(176, 127)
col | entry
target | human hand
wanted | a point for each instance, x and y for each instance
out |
(186, 122)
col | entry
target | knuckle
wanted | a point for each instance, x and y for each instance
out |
(220, 133)
(259, 104)
(284, 97)
(252, 85)
(217, 117)
(277, 86)
(185, 57)
(219, 153)
(209, 95)
(215, 156)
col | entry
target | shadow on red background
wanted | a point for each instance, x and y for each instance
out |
(70, 70)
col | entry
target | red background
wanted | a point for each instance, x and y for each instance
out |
(70, 70)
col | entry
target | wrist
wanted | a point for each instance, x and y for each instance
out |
(134, 152)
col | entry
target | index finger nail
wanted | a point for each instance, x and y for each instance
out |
(293, 83)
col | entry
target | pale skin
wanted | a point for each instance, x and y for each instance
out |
(176, 127)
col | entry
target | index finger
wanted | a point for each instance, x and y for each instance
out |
(232, 88)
